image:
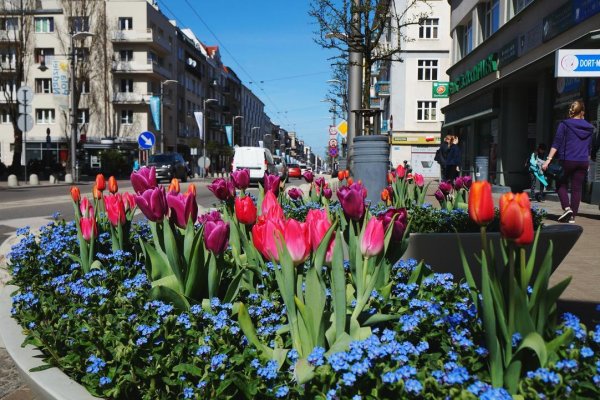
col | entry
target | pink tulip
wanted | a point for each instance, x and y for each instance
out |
(143, 179)
(371, 241)
(400, 222)
(270, 207)
(297, 240)
(318, 225)
(241, 178)
(245, 210)
(128, 201)
(400, 171)
(153, 204)
(86, 207)
(445, 187)
(89, 228)
(308, 176)
(263, 236)
(183, 208)
(467, 181)
(458, 183)
(419, 180)
(320, 182)
(272, 183)
(439, 195)
(352, 199)
(115, 209)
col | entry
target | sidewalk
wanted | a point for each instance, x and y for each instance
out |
(581, 297)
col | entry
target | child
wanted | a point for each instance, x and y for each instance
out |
(536, 173)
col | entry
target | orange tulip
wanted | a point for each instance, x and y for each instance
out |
(112, 185)
(350, 181)
(97, 193)
(174, 186)
(100, 182)
(516, 221)
(385, 195)
(75, 194)
(390, 178)
(341, 175)
(191, 190)
(481, 204)
(346, 173)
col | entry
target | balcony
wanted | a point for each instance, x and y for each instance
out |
(8, 66)
(10, 35)
(382, 88)
(147, 36)
(8, 97)
(133, 67)
(131, 98)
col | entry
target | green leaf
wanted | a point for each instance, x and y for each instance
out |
(338, 286)
(234, 286)
(189, 369)
(489, 326)
(168, 295)
(378, 318)
(188, 242)
(97, 264)
(303, 371)
(535, 342)
(468, 275)
(358, 332)
(41, 368)
(213, 276)
(196, 281)
(315, 302)
(248, 328)
(307, 329)
(172, 250)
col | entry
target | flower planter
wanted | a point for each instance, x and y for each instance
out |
(441, 251)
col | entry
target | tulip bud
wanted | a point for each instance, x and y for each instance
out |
(295, 193)
(341, 175)
(153, 204)
(143, 179)
(327, 193)
(191, 190)
(216, 236)
(308, 176)
(352, 199)
(100, 182)
(296, 239)
(445, 187)
(318, 224)
(439, 195)
(371, 241)
(75, 194)
(183, 208)
(320, 182)
(458, 183)
(241, 178)
(481, 204)
(89, 228)
(222, 189)
(391, 178)
(349, 181)
(96, 193)
(112, 185)
(115, 209)
(400, 171)
(385, 195)
(272, 183)
(245, 210)
(419, 180)
(346, 174)
(86, 208)
(467, 181)
(516, 222)
(400, 222)
(270, 207)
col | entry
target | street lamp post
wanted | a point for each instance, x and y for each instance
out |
(205, 134)
(162, 112)
(74, 36)
(233, 128)
(251, 135)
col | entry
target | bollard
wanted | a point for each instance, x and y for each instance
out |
(68, 178)
(12, 181)
(34, 180)
(52, 180)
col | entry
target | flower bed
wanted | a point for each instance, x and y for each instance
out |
(415, 335)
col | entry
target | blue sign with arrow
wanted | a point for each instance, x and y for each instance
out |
(146, 140)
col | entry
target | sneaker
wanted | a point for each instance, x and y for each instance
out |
(566, 215)
(572, 220)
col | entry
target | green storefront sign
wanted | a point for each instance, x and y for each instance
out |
(480, 70)
(440, 90)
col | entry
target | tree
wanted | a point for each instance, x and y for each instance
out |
(379, 35)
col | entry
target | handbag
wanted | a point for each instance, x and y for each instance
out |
(555, 170)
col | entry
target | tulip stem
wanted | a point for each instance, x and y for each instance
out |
(511, 288)
(524, 277)
(484, 245)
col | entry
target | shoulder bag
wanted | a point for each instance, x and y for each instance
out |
(556, 169)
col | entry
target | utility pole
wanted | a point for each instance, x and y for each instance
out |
(354, 81)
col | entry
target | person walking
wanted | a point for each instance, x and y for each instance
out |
(534, 165)
(441, 154)
(453, 159)
(573, 146)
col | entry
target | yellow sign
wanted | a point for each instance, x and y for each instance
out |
(415, 138)
(342, 128)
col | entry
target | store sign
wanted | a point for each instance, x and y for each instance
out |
(479, 71)
(410, 139)
(440, 90)
(558, 21)
(577, 63)
(508, 53)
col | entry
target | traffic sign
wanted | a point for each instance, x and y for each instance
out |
(333, 143)
(25, 122)
(342, 128)
(25, 108)
(205, 161)
(146, 140)
(333, 152)
(332, 131)
(25, 94)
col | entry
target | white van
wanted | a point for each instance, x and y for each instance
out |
(257, 160)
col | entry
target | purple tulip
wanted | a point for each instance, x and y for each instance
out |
(222, 189)
(320, 182)
(352, 199)
(399, 223)
(241, 178)
(213, 216)
(182, 209)
(143, 179)
(458, 183)
(439, 195)
(295, 193)
(308, 176)
(153, 204)
(327, 193)
(216, 236)
(445, 187)
(272, 183)
(467, 181)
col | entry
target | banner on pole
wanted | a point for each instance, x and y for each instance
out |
(155, 110)
(199, 120)
(229, 134)
(60, 77)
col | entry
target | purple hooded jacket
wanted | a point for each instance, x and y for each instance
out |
(573, 140)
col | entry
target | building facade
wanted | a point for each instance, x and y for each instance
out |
(504, 95)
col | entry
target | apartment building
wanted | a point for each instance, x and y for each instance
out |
(411, 111)
(504, 94)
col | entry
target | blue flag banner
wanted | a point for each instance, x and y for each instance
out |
(229, 133)
(155, 110)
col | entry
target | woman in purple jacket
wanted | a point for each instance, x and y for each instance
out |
(573, 145)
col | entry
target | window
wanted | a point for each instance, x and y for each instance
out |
(467, 39)
(125, 23)
(180, 53)
(9, 24)
(8, 57)
(40, 54)
(429, 29)
(85, 86)
(126, 55)
(427, 70)
(127, 117)
(492, 18)
(44, 24)
(518, 5)
(43, 85)
(426, 110)
(44, 115)
(83, 116)
(126, 86)
(82, 53)
(79, 24)
(5, 117)
(8, 85)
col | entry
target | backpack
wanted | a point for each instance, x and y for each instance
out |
(439, 157)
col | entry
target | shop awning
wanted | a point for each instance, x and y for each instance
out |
(460, 121)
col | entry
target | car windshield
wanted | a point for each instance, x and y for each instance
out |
(293, 165)
(161, 158)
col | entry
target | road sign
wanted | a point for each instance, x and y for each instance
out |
(333, 152)
(25, 122)
(332, 130)
(206, 162)
(577, 63)
(25, 108)
(25, 94)
(146, 140)
(342, 128)
(333, 143)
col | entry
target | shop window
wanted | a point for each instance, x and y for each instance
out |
(44, 24)
(426, 110)
(83, 116)
(45, 115)
(427, 70)
(126, 117)
(492, 18)
(125, 23)
(43, 85)
(428, 29)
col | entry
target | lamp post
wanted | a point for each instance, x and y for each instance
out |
(252, 130)
(74, 36)
(205, 134)
(162, 112)
(233, 128)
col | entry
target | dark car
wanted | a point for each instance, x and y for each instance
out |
(294, 171)
(169, 166)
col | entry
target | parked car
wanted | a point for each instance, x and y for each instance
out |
(281, 166)
(257, 160)
(294, 171)
(303, 168)
(169, 166)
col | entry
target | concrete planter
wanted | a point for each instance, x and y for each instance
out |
(441, 251)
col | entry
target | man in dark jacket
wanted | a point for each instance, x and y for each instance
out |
(441, 154)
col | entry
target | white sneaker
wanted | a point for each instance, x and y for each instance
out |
(572, 220)
(566, 215)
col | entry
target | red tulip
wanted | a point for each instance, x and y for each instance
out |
(297, 240)
(216, 236)
(346, 174)
(128, 201)
(174, 186)
(96, 193)
(245, 210)
(263, 236)
(341, 175)
(86, 208)
(270, 208)
(516, 222)
(481, 204)
(115, 209)
(371, 241)
(100, 182)
(112, 185)
(183, 208)
(143, 179)
(89, 228)
(419, 180)
(349, 181)
(318, 225)
(400, 171)
(75, 194)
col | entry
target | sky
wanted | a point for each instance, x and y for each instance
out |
(270, 46)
